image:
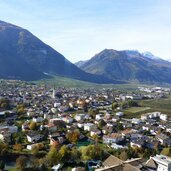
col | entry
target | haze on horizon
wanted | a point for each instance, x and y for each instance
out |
(79, 29)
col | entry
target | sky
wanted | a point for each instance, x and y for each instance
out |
(79, 29)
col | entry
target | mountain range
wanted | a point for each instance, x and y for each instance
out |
(25, 57)
(128, 65)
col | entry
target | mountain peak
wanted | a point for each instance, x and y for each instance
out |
(129, 65)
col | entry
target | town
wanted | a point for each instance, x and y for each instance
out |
(43, 127)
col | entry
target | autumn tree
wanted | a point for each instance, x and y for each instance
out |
(17, 147)
(166, 151)
(3, 149)
(123, 156)
(33, 125)
(21, 163)
(73, 136)
(20, 109)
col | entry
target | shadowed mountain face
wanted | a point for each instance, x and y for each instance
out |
(128, 66)
(24, 56)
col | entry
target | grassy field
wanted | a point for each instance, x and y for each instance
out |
(136, 111)
(72, 83)
(161, 105)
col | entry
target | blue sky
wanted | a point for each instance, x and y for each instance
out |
(81, 28)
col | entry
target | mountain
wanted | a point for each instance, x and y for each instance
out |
(128, 65)
(80, 63)
(24, 56)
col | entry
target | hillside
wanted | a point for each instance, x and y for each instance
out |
(129, 66)
(24, 56)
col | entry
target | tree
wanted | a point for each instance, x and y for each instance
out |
(64, 153)
(21, 163)
(75, 155)
(3, 149)
(132, 103)
(35, 150)
(2, 165)
(101, 123)
(73, 136)
(123, 156)
(92, 152)
(33, 125)
(20, 109)
(114, 106)
(53, 157)
(4, 103)
(17, 147)
(124, 105)
(166, 151)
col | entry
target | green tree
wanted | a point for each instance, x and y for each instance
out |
(75, 155)
(92, 152)
(114, 106)
(64, 153)
(101, 123)
(132, 103)
(2, 165)
(53, 157)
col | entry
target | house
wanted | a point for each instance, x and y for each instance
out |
(31, 146)
(136, 121)
(80, 117)
(164, 139)
(12, 128)
(89, 126)
(56, 138)
(68, 119)
(56, 167)
(99, 117)
(51, 127)
(34, 137)
(116, 146)
(5, 135)
(95, 132)
(163, 163)
(137, 143)
(163, 117)
(37, 119)
(112, 138)
(119, 114)
(128, 133)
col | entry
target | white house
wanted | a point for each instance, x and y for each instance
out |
(163, 117)
(120, 114)
(34, 137)
(112, 138)
(163, 162)
(37, 119)
(80, 117)
(88, 126)
(99, 116)
(95, 132)
(136, 121)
